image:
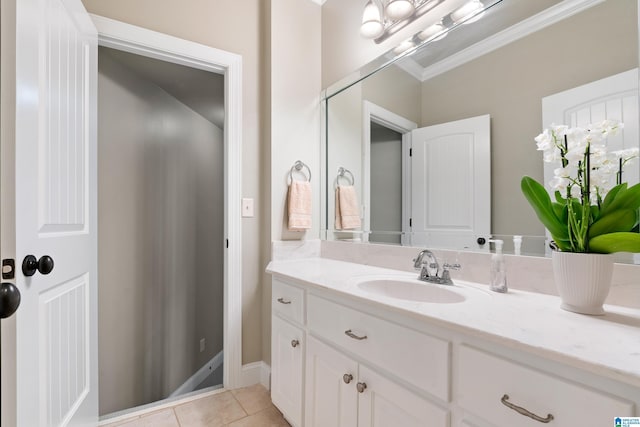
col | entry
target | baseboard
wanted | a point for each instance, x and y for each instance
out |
(256, 373)
(195, 379)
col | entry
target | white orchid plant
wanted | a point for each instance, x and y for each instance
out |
(594, 210)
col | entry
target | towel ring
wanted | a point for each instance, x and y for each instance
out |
(298, 165)
(341, 174)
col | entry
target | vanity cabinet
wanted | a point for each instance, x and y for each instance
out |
(507, 393)
(287, 350)
(341, 392)
(359, 363)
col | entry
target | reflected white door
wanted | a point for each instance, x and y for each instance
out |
(56, 325)
(451, 183)
(614, 97)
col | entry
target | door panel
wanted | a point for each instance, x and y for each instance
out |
(614, 97)
(384, 403)
(451, 183)
(329, 400)
(56, 346)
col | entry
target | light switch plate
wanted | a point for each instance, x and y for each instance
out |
(247, 208)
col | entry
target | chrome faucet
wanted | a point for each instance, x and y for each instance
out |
(430, 269)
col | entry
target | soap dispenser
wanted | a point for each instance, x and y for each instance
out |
(498, 270)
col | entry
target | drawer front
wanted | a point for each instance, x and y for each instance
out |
(419, 359)
(288, 301)
(483, 380)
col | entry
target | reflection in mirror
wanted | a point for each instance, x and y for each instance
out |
(468, 74)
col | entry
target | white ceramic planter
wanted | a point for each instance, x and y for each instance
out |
(583, 280)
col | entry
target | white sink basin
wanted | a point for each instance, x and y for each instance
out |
(411, 290)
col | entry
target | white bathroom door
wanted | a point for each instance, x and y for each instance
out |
(56, 204)
(614, 97)
(451, 183)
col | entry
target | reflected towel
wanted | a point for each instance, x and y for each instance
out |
(299, 205)
(347, 209)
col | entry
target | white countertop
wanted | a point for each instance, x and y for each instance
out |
(606, 345)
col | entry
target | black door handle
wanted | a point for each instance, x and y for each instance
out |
(30, 265)
(9, 299)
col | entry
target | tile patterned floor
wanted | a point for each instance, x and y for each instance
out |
(245, 407)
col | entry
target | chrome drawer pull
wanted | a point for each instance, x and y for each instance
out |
(522, 411)
(354, 336)
(284, 301)
(347, 378)
(295, 343)
(361, 387)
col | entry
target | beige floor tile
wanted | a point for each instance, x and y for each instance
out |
(253, 399)
(211, 411)
(269, 417)
(120, 423)
(164, 418)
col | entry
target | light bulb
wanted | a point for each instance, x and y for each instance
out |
(371, 21)
(435, 32)
(403, 47)
(399, 9)
(468, 10)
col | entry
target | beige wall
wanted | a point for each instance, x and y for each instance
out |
(510, 83)
(234, 26)
(160, 202)
(294, 107)
(7, 195)
(344, 50)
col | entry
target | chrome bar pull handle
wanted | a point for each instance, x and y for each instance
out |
(523, 411)
(361, 387)
(295, 343)
(284, 301)
(350, 334)
(347, 378)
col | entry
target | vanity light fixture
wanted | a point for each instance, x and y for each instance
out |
(435, 32)
(403, 47)
(372, 26)
(399, 9)
(383, 18)
(468, 13)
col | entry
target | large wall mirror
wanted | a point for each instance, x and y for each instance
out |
(429, 149)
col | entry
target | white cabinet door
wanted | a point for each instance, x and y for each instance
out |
(384, 403)
(287, 355)
(331, 397)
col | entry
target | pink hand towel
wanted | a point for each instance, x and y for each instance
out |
(299, 205)
(347, 209)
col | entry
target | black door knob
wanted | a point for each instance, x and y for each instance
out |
(30, 265)
(9, 299)
(481, 240)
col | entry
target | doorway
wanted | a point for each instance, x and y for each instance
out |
(160, 213)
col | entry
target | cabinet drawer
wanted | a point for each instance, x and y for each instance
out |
(288, 301)
(483, 380)
(419, 359)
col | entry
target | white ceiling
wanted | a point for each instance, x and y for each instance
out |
(200, 90)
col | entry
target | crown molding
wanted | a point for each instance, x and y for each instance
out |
(320, 2)
(522, 29)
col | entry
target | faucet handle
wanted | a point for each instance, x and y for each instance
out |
(454, 266)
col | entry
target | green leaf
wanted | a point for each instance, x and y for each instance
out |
(561, 211)
(620, 220)
(559, 198)
(628, 199)
(615, 242)
(611, 195)
(540, 201)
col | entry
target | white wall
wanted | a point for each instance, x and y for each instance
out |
(161, 212)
